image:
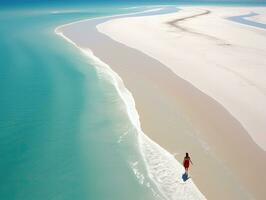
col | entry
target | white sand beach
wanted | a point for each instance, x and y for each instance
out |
(225, 60)
(198, 80)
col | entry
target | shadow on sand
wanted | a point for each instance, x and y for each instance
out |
(185, 177)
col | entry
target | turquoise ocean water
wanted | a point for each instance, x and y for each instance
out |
(64, 129)
(62, 123)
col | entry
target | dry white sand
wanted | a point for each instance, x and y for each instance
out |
(228, 164)
(224, 59)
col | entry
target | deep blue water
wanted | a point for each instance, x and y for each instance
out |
(107, 3)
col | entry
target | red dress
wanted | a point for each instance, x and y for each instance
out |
(186, 163)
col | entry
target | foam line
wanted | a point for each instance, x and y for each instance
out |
(163, 169)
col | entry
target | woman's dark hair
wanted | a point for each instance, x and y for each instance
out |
(187, 155)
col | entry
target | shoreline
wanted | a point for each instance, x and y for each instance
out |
(149, 149)
(215, 46)
(186, 100)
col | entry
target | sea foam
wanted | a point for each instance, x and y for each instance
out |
(163, 169)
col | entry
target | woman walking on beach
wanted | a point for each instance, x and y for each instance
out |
(186, 162)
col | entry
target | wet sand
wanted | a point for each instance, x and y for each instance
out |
(179, 117)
